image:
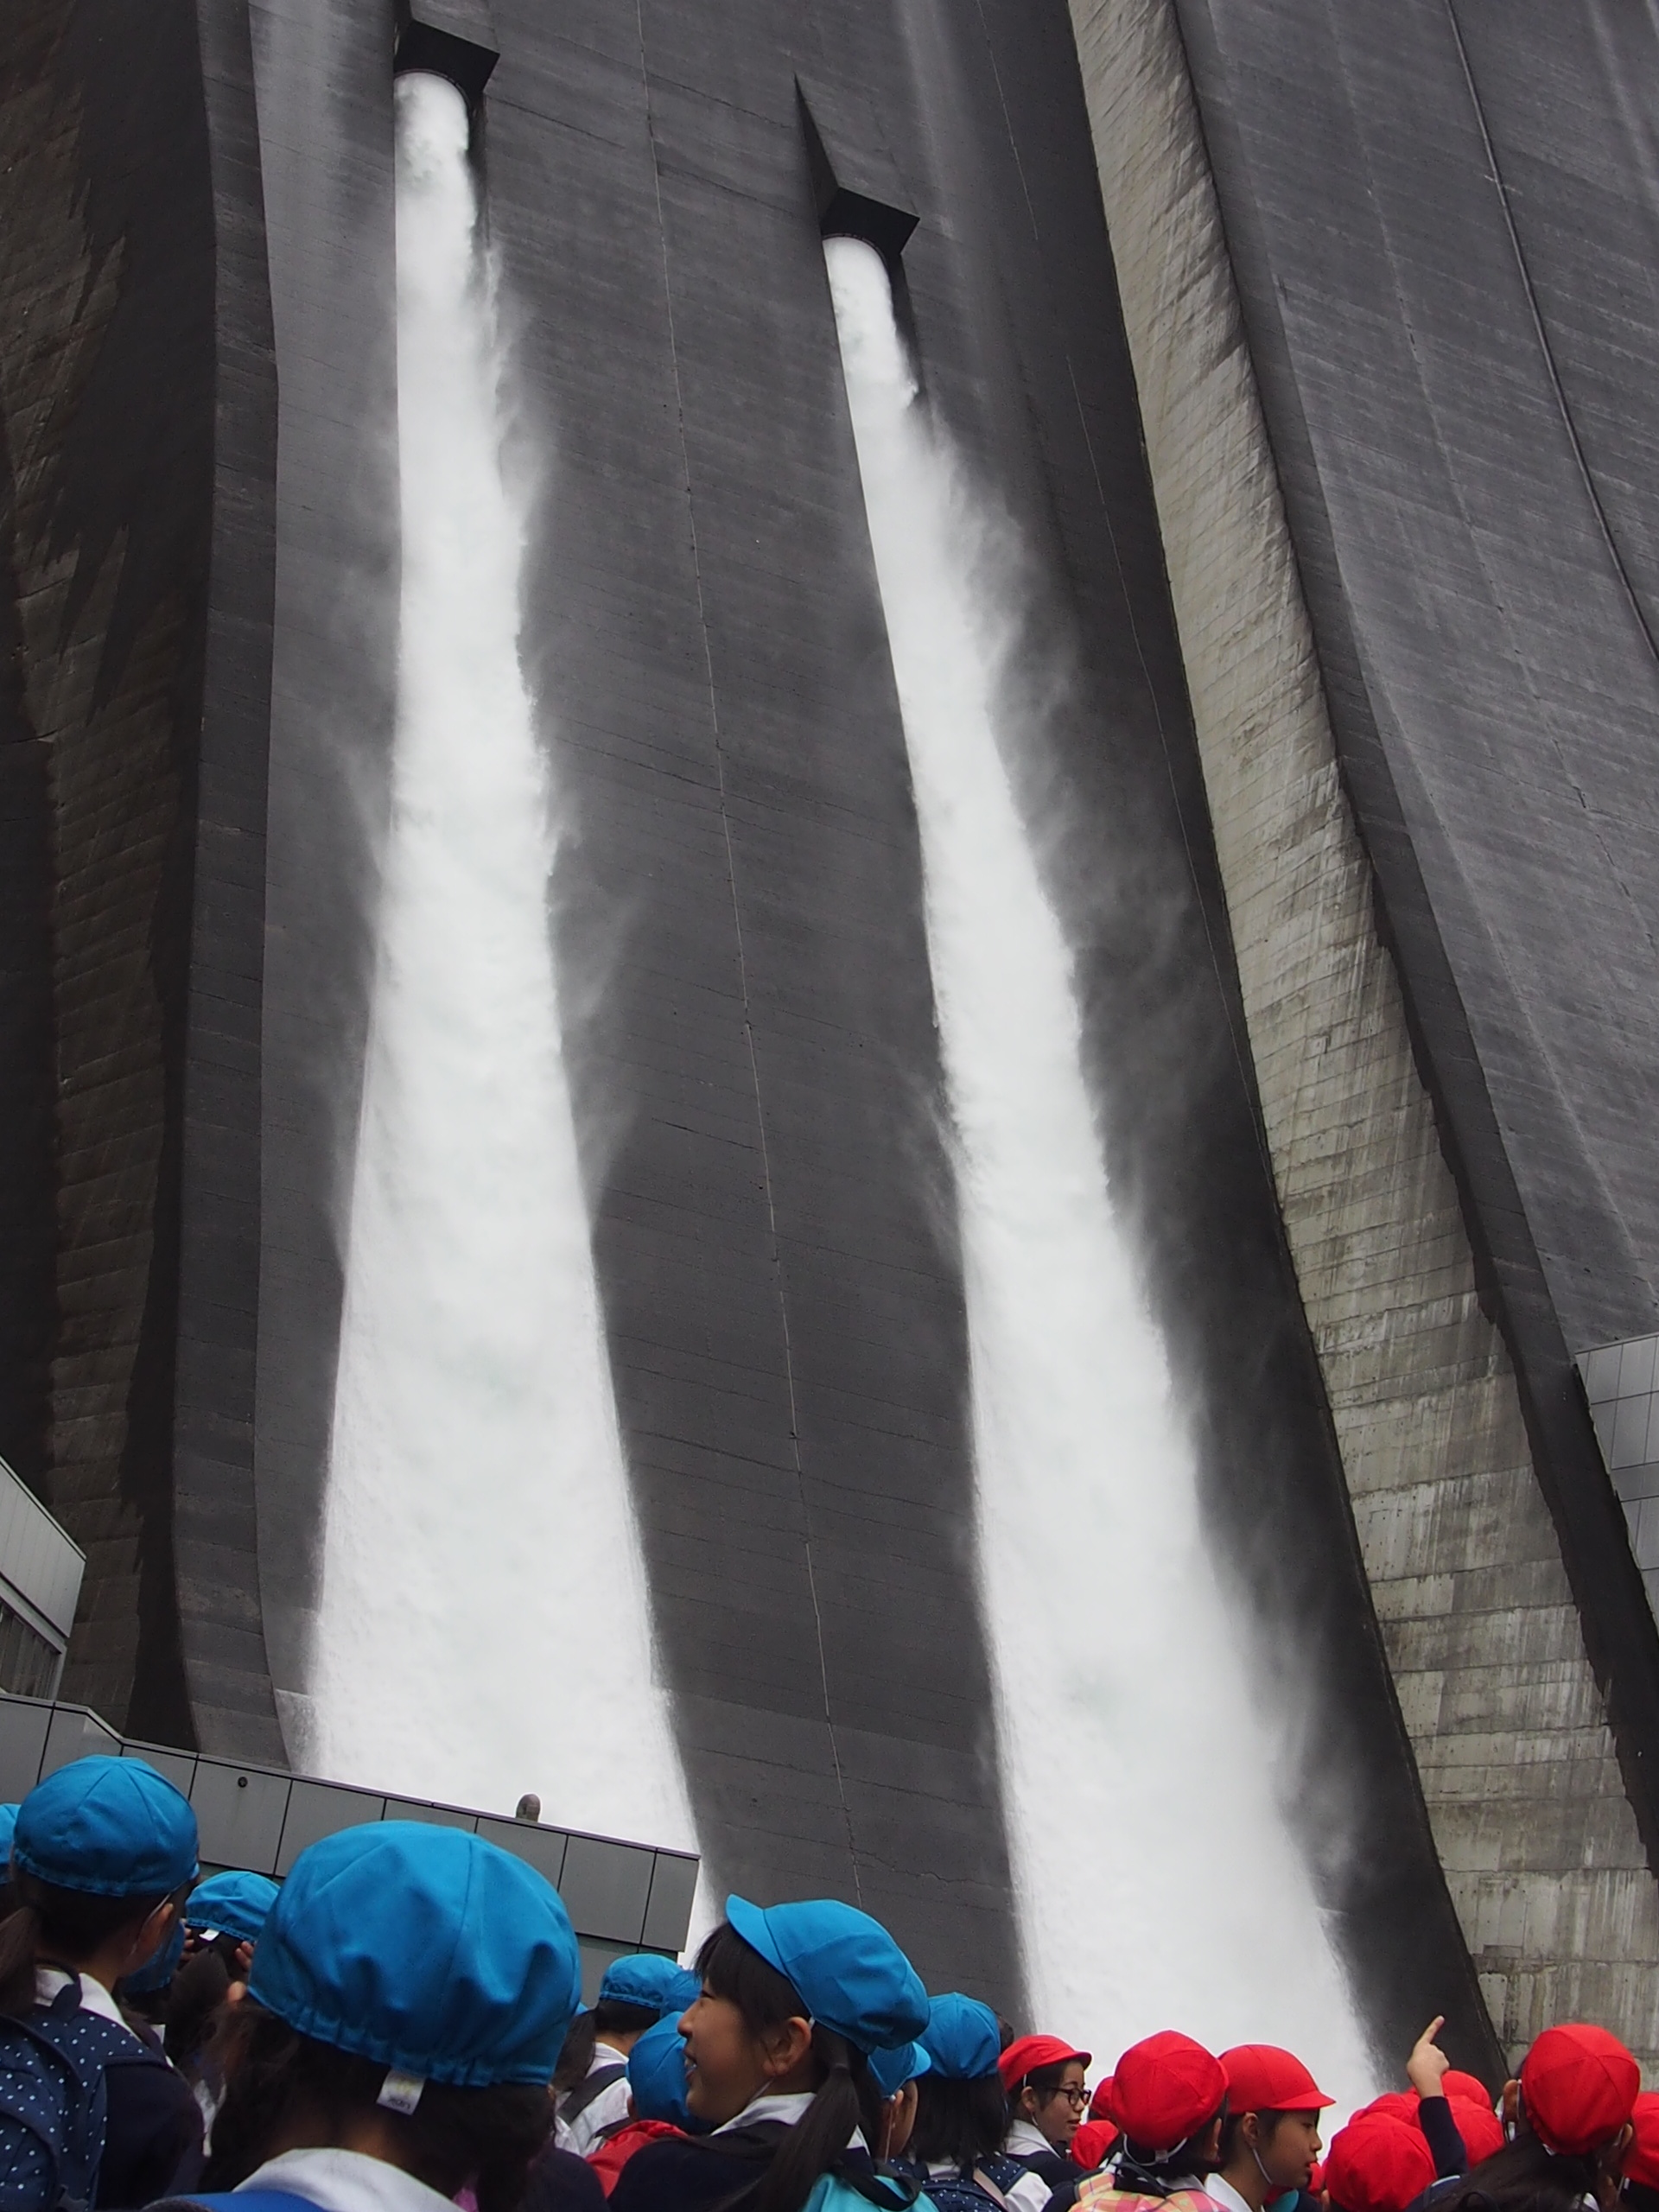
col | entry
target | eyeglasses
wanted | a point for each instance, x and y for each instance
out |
(1079, 2096)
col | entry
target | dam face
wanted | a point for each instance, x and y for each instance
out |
(1355, 995)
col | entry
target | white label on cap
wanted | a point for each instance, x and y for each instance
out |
(401, 2092)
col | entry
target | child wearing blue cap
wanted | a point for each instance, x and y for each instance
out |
(657, 2106)
(591, 2083)
(102, 1854)
(221, 1924)
(793, 2001)
(896, 2074)
(410, 1993)
(961, 2116)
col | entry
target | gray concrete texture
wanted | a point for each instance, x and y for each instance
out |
(1359, 398)
(738, 916)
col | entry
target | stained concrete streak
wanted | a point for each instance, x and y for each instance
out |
(1523, 1790)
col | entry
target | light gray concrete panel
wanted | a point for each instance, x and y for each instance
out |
(179, 1767)
(542, 1848)
(668, 1911)
(605, 1887)
(318, 1808)
(23, 1728)
(76, 1734)
(240, 1811)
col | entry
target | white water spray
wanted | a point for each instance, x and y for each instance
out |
(483, 1623)
(1158, 1884)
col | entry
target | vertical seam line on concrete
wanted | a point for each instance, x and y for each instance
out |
(742, 960)
(1544, 346)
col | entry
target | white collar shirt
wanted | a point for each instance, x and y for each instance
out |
(346, 2181)
(94, 1998)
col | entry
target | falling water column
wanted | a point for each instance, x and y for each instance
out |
(1158, 1883)
(483, 1626)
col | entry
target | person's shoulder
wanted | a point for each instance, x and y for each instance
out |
(678, 2172)
(560, 2182)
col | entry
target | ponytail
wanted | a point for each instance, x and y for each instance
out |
(846, 2099)
(575, 2054)
(49, 1926)
(20, 1941)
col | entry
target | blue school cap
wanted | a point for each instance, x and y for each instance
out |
(426, 1949)
(235, 1903)
(160, 1969)
(846, 1969)
(891, 2069)
(109, 1828)
(656, 2075)
(647, 1978)
(961, 2037)
(8, 1825)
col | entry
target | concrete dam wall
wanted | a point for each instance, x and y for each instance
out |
(1339, 867)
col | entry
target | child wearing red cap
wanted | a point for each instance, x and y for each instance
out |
(1043, 2077)
(1641, 2189)
(1571, 2107)
(1169, 2095)
(1270, 2136)
(1453, 2110)
(1379, 2162)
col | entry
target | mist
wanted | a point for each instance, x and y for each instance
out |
(483, 1627)
(1158, 1882)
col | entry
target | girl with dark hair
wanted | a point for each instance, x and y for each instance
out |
(1044, 2077)
(793, 2001)
(1640, 2192)
(409, 1995)
(961, 2116)
(1270, 2137)
(102, 1854)
(590, 2083)
(1572, 2109)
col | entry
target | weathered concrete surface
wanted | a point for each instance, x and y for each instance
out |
(323, 83)
(738, 916)
(1530, 1811)
(132, 384)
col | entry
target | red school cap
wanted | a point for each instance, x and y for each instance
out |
(1398, 2104)
(1030, 2053)
(1378, 2163)
(1578, 2085)
(1641, 2160)
(1263, 2078)
(1456, 2084)
(1165, 2089)
(1100, 2105)
(1090, 2144)
(1479, 2126)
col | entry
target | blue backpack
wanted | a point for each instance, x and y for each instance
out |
(53, 2103)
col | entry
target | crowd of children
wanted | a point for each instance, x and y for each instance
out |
(397, 2027)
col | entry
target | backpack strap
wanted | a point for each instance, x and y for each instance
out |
(893, 2191)
(982, 2180)
(238, 2200)
(591, 2086)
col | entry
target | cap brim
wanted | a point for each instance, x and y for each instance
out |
(751, 1923)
